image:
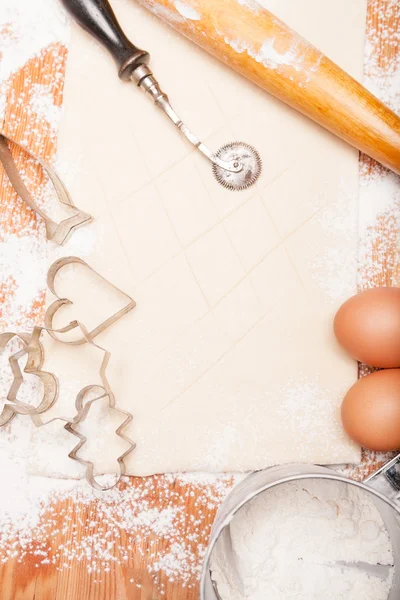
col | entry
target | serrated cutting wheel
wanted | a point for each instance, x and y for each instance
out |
(246, 156)
(236, 166)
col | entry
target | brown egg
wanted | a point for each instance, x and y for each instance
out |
(371, 411)
(368, 327)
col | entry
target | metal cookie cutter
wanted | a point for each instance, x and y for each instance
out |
(383, 488)
(8, 413)
(33, 366)
(82, 412)
(57, 232)
(55, 306)
(34, 350)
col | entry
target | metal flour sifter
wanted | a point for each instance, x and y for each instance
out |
(383, 488)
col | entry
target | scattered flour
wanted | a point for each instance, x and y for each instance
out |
(379, 194)
(334, 265)
(187, 11)
(163, 12)
(379, 231)
(296, 56)
(37, 513)
(23, 260)
(289, 543)
(26, 28)
(42, 103)
(304, 402)
(383, 190)
(252, 5)
(379, 215)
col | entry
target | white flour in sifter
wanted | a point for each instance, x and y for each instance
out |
(303, 541)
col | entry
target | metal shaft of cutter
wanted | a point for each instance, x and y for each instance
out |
(144, 78)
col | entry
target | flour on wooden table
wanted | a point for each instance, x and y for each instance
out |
(26, 28)
(379, 212)
(31, 526)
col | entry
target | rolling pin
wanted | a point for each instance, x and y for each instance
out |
(258, 45)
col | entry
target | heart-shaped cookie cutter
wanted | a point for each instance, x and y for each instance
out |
(33, 348)
(57, 304)
(57, 232)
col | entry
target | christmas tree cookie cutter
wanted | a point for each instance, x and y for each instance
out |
(33, 348)
(57, 232)
(82, 412)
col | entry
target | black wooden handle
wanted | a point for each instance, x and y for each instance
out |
(98, 18)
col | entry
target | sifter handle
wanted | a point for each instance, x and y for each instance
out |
(98, 18)
(387, 479)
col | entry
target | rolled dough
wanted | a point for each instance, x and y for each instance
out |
(228, 362)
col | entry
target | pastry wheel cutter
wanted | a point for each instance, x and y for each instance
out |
(236, 166)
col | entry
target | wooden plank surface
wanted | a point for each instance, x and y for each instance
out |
(120, 548)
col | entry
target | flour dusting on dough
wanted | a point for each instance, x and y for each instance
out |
(334, 266)
(187, 11)
(304, 403)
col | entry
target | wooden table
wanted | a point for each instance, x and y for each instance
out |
(74, 530)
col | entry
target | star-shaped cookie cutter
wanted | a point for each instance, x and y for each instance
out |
(35, 353)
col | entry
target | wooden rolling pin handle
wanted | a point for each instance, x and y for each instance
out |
(345, 107)
(262, 48)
